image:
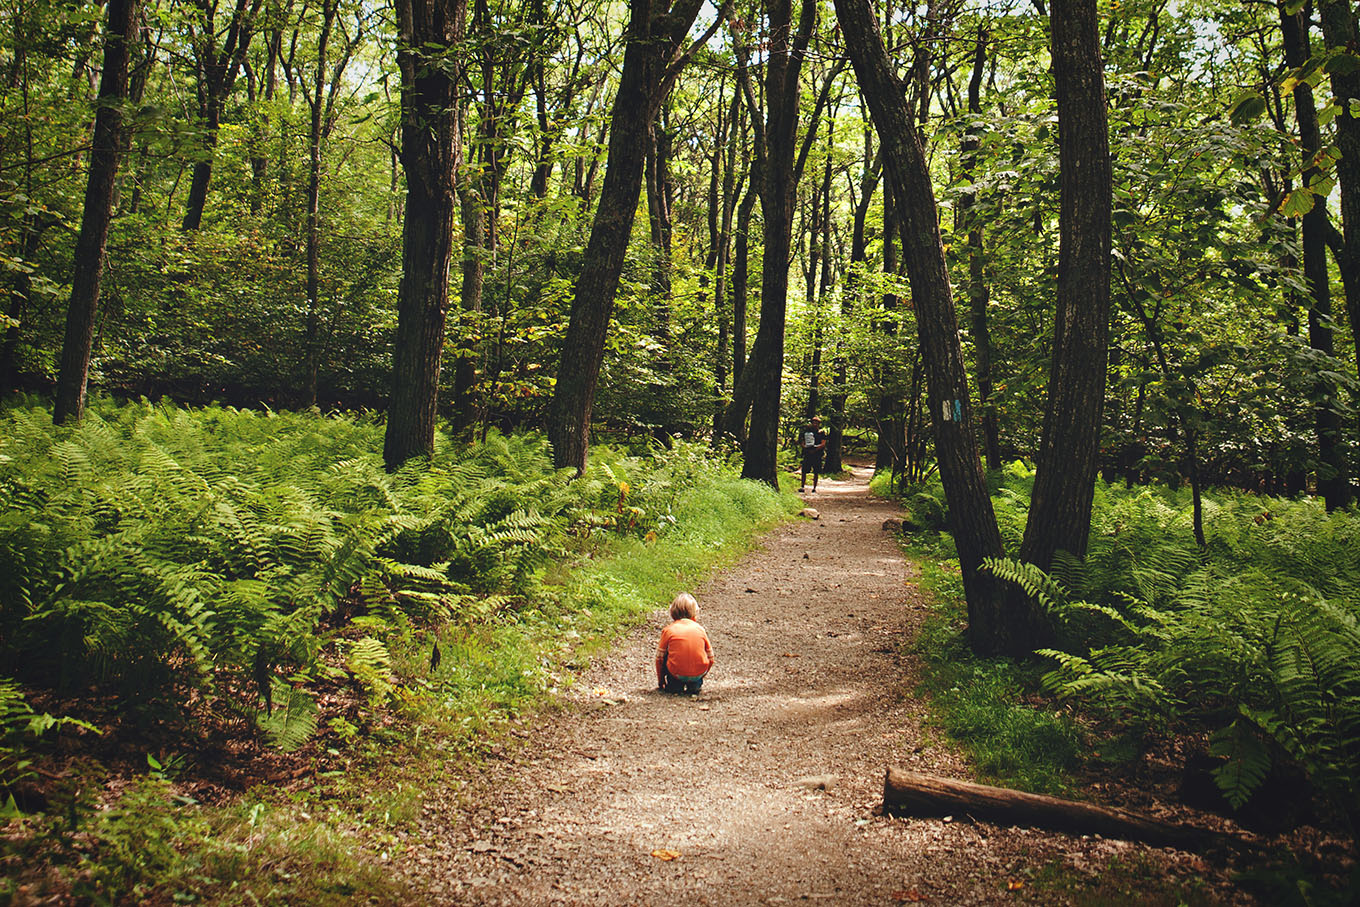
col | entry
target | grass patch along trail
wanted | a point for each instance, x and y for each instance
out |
(765, 789)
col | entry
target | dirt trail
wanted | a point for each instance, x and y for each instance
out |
(809, 692)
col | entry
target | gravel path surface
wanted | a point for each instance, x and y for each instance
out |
(765, 789)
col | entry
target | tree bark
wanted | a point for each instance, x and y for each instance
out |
(653, 37)
(430, 32)
(912, 794)
(979, 292)
(766, 366)
(91, 244)
(835, 442)
(741, 282)
(1341, 30)
(1333, 481)
(1069, 448)
(727, 202)
(891, 406)
(217, 69)
(971, 517)
(315, 137)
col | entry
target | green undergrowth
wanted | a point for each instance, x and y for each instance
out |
(1249, 643)
(260, 576)
(990, 707)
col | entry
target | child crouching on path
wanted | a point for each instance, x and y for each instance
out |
(684, 655)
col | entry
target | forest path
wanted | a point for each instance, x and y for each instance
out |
(810, 689)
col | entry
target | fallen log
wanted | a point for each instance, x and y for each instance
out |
(913, 794)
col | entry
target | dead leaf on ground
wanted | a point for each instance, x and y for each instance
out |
(791, 655)
(1015, 884)
(666, 855)
(910, 895)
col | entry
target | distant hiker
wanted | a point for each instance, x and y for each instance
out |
(684, 655)
(814, 445)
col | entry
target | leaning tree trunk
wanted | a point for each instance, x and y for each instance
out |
(653, 37)
(970, 508)
(1069, 448)
(429, 154)
(92, 242)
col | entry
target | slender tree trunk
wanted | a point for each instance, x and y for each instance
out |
(1333, 481)
(728, 202)
(1069, 448)
(429, 30)
(979, 291)
(316, 103)
(971, 517)
(92, 242)
(741, 281)
(217, 70)
(889, 417)
(653, 37)
(816, 229)
(859, 253)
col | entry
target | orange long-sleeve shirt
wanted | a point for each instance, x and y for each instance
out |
(684, 649)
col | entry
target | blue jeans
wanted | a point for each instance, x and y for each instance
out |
(675, 684)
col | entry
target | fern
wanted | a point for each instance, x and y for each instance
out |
(1257, 639)
(154, 548)
(293, 719)
(371, 664)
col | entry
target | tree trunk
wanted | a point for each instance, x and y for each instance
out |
(971, 517)
(766, 366)
(1341, 30)
(890, 413)
(741, 282)
(92, 242)
(429, 153)
(316, 104)
(1333, 481)
(1069, 448)
(912, 794)
(979, 292)
(722, 254)
(217, 69)
(859, 253)
(653, 37)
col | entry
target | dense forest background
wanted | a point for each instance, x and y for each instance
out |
(343, 341)
(254, 253)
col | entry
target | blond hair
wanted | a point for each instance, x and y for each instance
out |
(684, 606)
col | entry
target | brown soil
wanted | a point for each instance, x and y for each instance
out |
(766, 788)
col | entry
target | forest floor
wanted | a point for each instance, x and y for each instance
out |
(767, 788)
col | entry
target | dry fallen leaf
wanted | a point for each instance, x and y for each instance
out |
(911, 895)
(667, 855)
(600, 691)
(1015, 884)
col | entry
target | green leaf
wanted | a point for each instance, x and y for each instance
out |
(1297, 203)
(1248, 761)
(1343, 64)
(1247, 107)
